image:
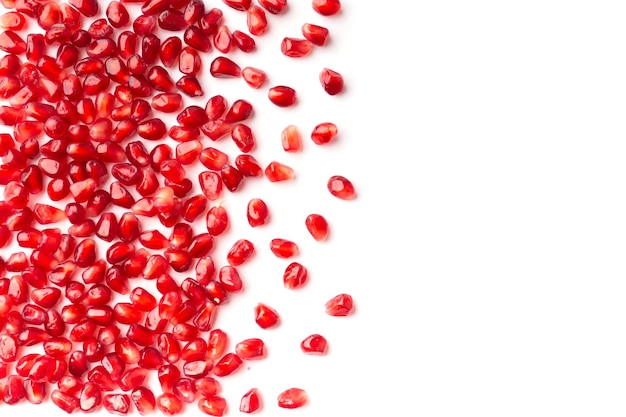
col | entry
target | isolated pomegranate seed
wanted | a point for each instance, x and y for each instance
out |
(169, 404)
(324, 133)
(295, 276)
(340, 305)
(283, 248)
(314, 344)
(223, 67)
(327, 7)
(240, 252)
(243, 41)
(254, 77)
(275, 171)
(332, 81)
(242, 5)
(291, 139)
(256, 21)
(250, 402)
(250, 349)
(296, 48)
(317, 35)
(341, 187)
(257, 213)
(265, 316)
(317, 226)
(282, 96)
(292, 398)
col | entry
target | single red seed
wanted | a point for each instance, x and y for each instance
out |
(243, 137)
(291, 139)
(190, 85)
(282, 96)
(241, 5)
(231, 177)
(239, 111)
(195, 38)
(340, 305)
(295, 276)
(250, 402)
(265, 316)
(243, 41)
(144, 400)
(116, 403)
(341, 187)
(193, 11)
(274, 6)
(314, 344)
(257, 213)
(317, 226)
(248, 166)
(292, 398)
(331, 81)
(223, 67)
(210, 184)
(324, 133)
(213, 406)
(12, 21)
(275, 171)
(250, 349)
(169, 51)
(167, 102)
(254, 77)
(296, 48)
(222, 39)
(283, 248)
(256, 21)
(228, 364)
(240, 252)
(64, 401)
(317, 35)
(169, 404)
(172, 20)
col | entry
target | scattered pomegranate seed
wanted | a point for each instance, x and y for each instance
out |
(317, 226)
(250, 349)
(292, 398)
(213, 406)
(250, 402)
(340, 305)
(254, 77)
(282, 96)
(317, 35)
(332, 81)
(296, 48)
(283, 248)
(295, 276)
(291, 139)
(276, 171)
(324, 133)
(265, 316)
(258, 213)
(327, 7)
(314, 344)
(341, 187)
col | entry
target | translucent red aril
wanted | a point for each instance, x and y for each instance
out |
(228, 364)
(295, 276)
(282, 96)
(256, 21)
(116, 403)
(254, 77)
(265, 316)
(340, 305)
(276, 171)
(243, 41)
(169, 404)
(250, 402)
(283, 248)
(12, 21)
(331, 81)
(317, 226)
(274, 6)
(222, 39)
(292, 398)
(257, 213)
(341, 187)
(248, 166)
(296, 48)
(167, 102)
(239, 111)
(224, 67)
(242, 5)
(324, 133)
(250, 349)
(240, 252)
(217, 220)
(64, 401)
(317, 35)
(314, 344)
(327, 7)
(144, 400)
(213, 406)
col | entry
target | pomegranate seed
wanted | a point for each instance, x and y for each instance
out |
(90, 397)
(274, 6)
(317, 35)
(144, 400)
(292, 398)
(256, 21)
(190, 86)
(317, 226)
(341, 188)
(276, 171)
(210, 184)
(324, 133)
(250, 349)
(340, 305)
(64, 401)
(291, 139)
(193, 11)
(116, 403)
(195, 38)
(12, 21)
(248, 166)
(172, 20)
(332, 81)
(243, 137)
(295, 276)
(250, 402)
(12, 43)
(213, 406)
(169, 405)
(282, 96)
(258, 213)
(170, 49)
(231, 177)
(265, 316)
(296, 48)
(240, 252)
(241, 5)
(314, 344)
(189, 61)
(223, 67)
(243, 41)
(283, 248)
(254, 77)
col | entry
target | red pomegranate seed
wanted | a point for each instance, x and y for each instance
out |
(239, 111)
(217, 220)
(250, 349)
(185, 390)
(228, 364)
(169, 405)
(223, 67)
(169, 51)
(283, 248)
(248, 166)
(167, 102)
(341, 188)
(256, 21)
(189, 61)
(276, 171)
(265, 316)
(317, 226)
(274, 6)
(314, 344)
(250, 402)
(64, 401)
(257, 213)
(291, 139)
(282, 96)
(244, 41)
(296, 48)
(12, 43)
(190, 86)
(213, 406)
(193, 11)
(144, 400)
(116, 403)
(254, 77)
(241, 5)
(292, 398)
(340, 305)
(317, 35)
(324, 133)
(332, 81)
(222, 39)
(295, 276)
(240, 252)
(12, 21)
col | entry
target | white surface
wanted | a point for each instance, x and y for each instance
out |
(485, 249)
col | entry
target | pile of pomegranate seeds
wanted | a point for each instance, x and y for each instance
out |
(117, 171)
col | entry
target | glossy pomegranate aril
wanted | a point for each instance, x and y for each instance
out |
(241, 5)
(224, 67)
(292, 398)
(282, 96)
(257, 213)
(213, 406)
(250, 402)
(65, 401)
(295, 276)
(283, 248)
(324, 133)
(169, 404)
(291, 139)
(265, 316)
(248, 166)
(144, 400)
(228, 364)
(331, 81)
(340, 305)
(256, 21)
(341, 187)
(250, 349)
(317, 35)
(275, 171)
(116, 403)
(314, 344)
(296, 48)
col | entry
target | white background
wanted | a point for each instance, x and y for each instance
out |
(485, 249)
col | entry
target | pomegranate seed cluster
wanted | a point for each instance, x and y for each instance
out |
(93, 162)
